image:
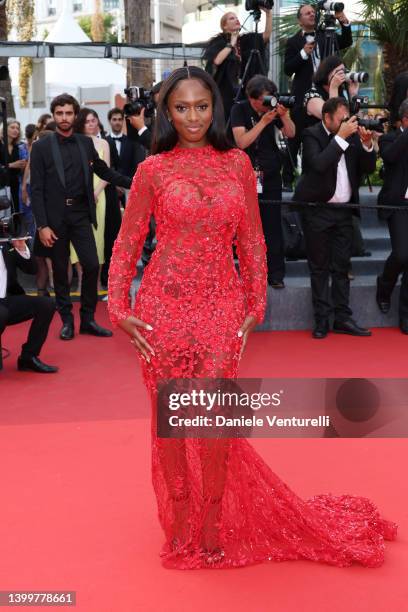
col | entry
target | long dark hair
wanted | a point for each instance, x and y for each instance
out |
(165, 137)
(80, 119)
(321, 76)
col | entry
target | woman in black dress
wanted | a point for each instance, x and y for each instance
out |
(227, 53)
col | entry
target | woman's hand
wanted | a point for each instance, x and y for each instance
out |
(248, 325)
(20, 164)
(130, 326)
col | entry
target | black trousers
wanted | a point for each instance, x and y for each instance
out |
(76, 228)
(290, 160)
(329, 240)
(18, 308)
(272, 229)
(397, 262)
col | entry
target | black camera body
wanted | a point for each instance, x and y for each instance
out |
(138, 98)
(256, 5)
(358, 102)
(374, 125)
(275, 99)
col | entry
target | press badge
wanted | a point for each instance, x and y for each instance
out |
(259, 180)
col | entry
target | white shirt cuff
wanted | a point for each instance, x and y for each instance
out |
(368, 149)
(341, 142)
(24, 254)
(143, 129)
(304, 54)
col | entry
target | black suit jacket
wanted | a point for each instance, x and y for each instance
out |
(394, 152)
(303, 69)
(48, 181)
(132, 152)
(13, 260)
(320, 160)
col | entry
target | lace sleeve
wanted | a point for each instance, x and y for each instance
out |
(250, 242)
(129, 243)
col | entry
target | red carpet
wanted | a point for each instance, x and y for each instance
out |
(78, 510)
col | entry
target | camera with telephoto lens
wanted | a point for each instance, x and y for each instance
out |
(11, 226)
(256, 5)
(357, 77)
(138, 98)
(374, 125)
(325, 5)
(275, 99)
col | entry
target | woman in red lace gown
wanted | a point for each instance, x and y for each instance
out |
(219, 504)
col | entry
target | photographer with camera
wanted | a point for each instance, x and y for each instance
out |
(16, 307)
(303, 53)
(331, 80)
(227, 53)
(336, 153)
(254, 125)
(394, 152)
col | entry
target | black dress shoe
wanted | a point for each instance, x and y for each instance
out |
(320, 330)
(383, 303)
(350, 327)
(94, 329)
(403, 325)
(67, 331)
(275, 284)
(25, 364)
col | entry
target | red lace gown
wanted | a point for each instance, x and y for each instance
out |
(219, 504)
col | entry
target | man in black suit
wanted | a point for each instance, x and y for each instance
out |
(394, 152)
(62, 198)
(16, 307)
(302, 58)
(128, 152)
(336, 153)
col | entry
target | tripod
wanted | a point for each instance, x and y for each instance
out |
(254, 53)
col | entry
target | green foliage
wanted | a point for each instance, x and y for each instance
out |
(110, 35)
(388, 21)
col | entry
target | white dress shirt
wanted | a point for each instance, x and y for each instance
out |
(118, 143)
(3, 270)
(343, 186)
(343, 190)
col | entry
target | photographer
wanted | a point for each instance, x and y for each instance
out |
(336, 153)
(227, 54)
(303, 54)
(394, 152)
(329, 81)
(16, 307)
(254, 127)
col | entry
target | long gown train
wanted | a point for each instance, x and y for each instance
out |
(219, 503)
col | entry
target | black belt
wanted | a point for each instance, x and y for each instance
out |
(76, 200)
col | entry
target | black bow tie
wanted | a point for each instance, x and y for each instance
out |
(119, 138)
(66, 139)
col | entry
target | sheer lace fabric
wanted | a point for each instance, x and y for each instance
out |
(219, 504)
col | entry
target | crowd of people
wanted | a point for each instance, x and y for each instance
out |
(70, 178)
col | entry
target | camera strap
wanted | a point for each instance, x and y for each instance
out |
(257, 168)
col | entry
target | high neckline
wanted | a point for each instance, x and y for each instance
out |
(197, 150)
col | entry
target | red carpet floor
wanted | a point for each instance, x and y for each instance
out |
(78, 510)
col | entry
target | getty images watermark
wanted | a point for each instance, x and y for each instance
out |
(214, 408)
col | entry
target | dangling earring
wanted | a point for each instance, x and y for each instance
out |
(169, 119)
